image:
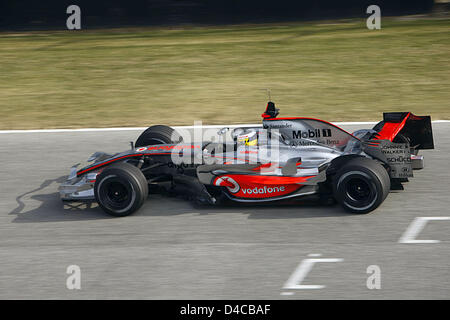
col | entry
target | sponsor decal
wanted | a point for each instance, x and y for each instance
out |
(228, 182)
(399, 157)
(333, 142)
(306, 143)
(264, 190)
(168, 148)
(278, 126)
(241, 188)
(261, 191)
(397, 147)
(181, 165)
(308, 134)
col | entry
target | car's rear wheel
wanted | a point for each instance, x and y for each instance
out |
(361, 185)
(121, 189)
(158, 135)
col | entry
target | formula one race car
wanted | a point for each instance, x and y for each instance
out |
(284, 158)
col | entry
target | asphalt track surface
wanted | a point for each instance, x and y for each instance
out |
(172, 249)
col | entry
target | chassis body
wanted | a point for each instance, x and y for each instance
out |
(293, 157)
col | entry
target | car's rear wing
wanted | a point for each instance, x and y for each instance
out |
(401, 126)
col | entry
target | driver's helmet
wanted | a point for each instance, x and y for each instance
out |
(247, 138)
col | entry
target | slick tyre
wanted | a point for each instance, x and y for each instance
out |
(361, 185)
(158, 135)
(121, 189)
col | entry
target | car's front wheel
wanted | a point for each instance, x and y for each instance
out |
(361, 185)
(121, 189)
(158, 134)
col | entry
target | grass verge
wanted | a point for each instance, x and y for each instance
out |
(338, 71)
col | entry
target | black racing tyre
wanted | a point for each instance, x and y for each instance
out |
(361, 185)
(121, 189)
(158, 135)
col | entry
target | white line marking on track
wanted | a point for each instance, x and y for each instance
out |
(295, 280)
(184, 127)
(416, 227)
(314, 255)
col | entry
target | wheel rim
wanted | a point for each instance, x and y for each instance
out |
(116, 194)
(358, 190)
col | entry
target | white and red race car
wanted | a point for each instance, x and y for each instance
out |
(284, 158)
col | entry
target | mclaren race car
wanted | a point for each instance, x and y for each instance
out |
(284, 158)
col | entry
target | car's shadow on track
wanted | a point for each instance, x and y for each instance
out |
(50, 208)
(287, 209)
(33, 207)
(279, 210)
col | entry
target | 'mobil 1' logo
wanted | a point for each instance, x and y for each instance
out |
(316, 133)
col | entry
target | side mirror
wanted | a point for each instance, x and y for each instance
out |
(223, 131)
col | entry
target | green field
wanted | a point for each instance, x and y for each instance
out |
(336, 70)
